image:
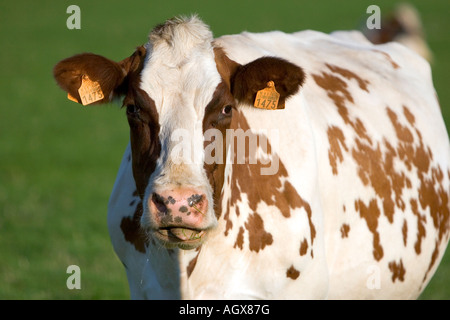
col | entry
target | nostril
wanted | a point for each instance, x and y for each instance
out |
(159, 203)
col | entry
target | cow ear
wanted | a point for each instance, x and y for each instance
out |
(109, 75)
(250, 78)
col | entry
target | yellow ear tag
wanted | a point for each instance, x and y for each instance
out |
(90, 91)
(267, 98)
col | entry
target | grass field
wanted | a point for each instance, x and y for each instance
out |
(58, 160)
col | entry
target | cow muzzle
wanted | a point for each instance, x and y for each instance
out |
(180, 217)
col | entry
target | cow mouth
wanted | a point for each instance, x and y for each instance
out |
(185, 238)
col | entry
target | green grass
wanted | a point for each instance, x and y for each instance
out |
(58, 160)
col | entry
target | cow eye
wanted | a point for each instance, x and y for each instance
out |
(132, 109)
(227, 110)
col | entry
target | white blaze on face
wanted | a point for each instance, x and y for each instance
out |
(180, 75)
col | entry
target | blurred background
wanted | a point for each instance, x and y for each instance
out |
(58, 160)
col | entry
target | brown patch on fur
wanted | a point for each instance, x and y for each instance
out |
(405, 232)
(347, 74)
(372, 173)
(389, 59)
(292, 273)
(403, 133)
(371, 213)
(144, 132)
(435, 196)
(246, 178)
(337, 90)
(398, 270)
(421, 220)
(257, 236)
(191, 265)
(336, 139)
(132, 231)
(335, 84)
(345, 229)
(240, 239)
(303, 247)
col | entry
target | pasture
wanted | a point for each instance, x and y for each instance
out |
(58, 160)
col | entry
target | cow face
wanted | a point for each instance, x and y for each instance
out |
(175, 89)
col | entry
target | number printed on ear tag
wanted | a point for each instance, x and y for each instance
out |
(90, 91)
(267, 98)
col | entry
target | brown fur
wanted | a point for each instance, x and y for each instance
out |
(109, 74)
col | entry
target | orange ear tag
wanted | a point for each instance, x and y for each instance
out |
(90, 91)
(267, 98)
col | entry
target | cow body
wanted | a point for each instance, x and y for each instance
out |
(356, 207)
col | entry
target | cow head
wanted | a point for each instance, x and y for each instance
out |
(175, 88)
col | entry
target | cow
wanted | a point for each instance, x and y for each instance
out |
(336, 185)
(403, 25)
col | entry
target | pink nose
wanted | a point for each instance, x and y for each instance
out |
(183, 207)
